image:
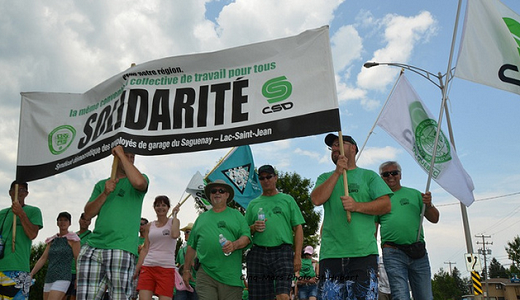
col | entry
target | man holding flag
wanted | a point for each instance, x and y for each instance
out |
(108, 258)
(405, 257)
(348, 253)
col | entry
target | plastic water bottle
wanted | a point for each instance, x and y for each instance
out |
(222, 240)
(261, 214)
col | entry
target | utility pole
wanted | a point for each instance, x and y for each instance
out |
(485, 252)
(450, 263)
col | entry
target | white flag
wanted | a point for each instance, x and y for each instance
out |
(410, 123)
(489, 52)
(196, 189)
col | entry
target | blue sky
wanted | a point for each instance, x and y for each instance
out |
(71, 46)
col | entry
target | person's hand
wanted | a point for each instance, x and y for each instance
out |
(118, 151)
(136, 273)
(17, 209)
(341, 164)
(349, 204)
(176, 210)
(427, 199)
(110, 186)
(259, 226)
(186, 277)
(228, 247)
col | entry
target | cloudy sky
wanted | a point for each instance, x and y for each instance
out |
(71, 46)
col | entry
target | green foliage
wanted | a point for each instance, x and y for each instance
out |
(513, 251)
(496, 270)
(446, 286)
(36, 291)
(299, 188)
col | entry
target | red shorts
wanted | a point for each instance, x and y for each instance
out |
(159, 280)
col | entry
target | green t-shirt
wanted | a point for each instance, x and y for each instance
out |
(19, 260)
(357, 238)
(204, 239)
(307, 271)
(117, 223)
(282, 214)
(83, 239)
(179, 258)
(400, 226)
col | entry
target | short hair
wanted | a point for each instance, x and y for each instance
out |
(162, 199)
(144, 219)
(389, 163)
(19, 183)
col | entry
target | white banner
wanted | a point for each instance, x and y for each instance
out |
(489, 51)
(411, 124)
(251, 94)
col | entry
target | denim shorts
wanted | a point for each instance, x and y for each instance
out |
(307, 291)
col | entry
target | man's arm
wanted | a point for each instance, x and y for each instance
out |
(322, 192)
(298, 244)
(29, 228)
(92, 208)
(188, 262)
(379, 206)
(431, 213)
(135, 177)
(242, 242)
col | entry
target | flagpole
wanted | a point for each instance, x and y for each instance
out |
(345, 181)
(216, 166)
(378, 116)
(13, 247)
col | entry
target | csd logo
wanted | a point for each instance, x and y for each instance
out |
(277, 90)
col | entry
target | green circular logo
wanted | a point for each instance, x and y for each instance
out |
(425, 140)
(61, 138)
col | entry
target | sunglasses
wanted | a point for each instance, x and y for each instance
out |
(265, 177)
(220, 191)
(142, 224)
(393, 173)
(187, 231)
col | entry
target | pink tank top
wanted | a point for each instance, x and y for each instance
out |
(161, 252)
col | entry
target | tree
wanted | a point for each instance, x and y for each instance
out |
(36, 291)
(299, 188)
(513, 251)
(496, 270)
(446, 286)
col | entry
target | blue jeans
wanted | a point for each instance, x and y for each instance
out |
(185, 295)
(402, 269)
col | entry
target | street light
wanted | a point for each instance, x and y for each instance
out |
(416, 70)
(441, 85)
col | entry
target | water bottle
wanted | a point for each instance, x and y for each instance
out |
(222, 240)
(2, 245)
(261, 214)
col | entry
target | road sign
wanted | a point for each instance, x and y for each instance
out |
(477, 284)
(473, 262)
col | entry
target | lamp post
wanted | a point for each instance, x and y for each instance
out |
(442, 82)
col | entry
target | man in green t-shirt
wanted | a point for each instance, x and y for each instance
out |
(348, 252)
(83, 234)
(107, 261)
(275, 221)
(219, 276)
(15, 280)
(400, 228)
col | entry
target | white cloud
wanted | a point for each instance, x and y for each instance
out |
(401, 35)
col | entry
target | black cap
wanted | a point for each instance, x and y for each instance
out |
(266, 169)
(64, 214)
(330, 138)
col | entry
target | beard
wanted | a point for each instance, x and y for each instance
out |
(334, 156)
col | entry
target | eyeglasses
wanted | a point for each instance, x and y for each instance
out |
(265, 177)
(187, 232)
(142, 224)
(393, 173)
(336, 144)
(220, 191)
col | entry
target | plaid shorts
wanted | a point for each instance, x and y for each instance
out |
(101, 269)
(270, 271)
